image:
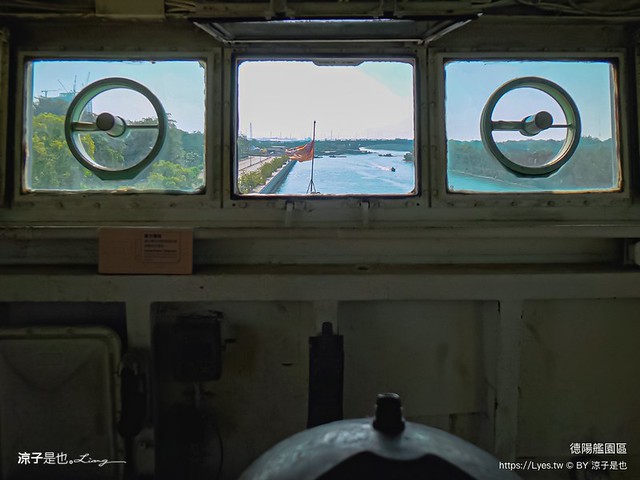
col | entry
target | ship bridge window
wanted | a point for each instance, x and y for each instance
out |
(325, 127)
(531, 126)
(114, 126)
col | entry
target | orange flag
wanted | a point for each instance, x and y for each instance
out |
(303, 153)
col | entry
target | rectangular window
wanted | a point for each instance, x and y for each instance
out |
(329, 127)
(115, 126)
(531, 126)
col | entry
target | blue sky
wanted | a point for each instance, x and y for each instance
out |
(396, 76)
(283, 98)
(470, 84)
(373, 100)
(179, 85)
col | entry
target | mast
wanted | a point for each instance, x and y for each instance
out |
(312, 187)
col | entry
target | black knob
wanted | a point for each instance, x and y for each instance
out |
(388, 418)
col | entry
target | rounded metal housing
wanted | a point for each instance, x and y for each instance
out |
(372, 449)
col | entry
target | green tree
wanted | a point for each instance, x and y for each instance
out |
(55, 105)
(591, 166)
(109, 151)
(51, 164)
(193, 142)
(251, 180)
(178, 166)
(166, 175)
(244, 146)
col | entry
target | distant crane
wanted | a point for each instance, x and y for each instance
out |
(65, 89)
(68, 94)
(46, 92)
(73, 91)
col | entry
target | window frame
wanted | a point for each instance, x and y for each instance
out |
(76, 200)
(217, 208)
(4, 103)
(441, 197)
(237, 54)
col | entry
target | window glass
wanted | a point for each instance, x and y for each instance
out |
(177, 164)
(317, 128)
(530, 125)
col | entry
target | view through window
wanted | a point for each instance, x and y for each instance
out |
(593, 167)
(178, 85)
(308, 128)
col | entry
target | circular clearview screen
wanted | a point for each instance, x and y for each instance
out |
(535, 160)
(520, 103)
(142, 138)
(134, 143)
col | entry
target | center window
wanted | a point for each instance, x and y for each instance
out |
(323, 128)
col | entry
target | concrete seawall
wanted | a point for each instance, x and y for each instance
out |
(274, 183)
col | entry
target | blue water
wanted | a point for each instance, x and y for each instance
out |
(460, 182)
(370, 173)
(367, 173)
